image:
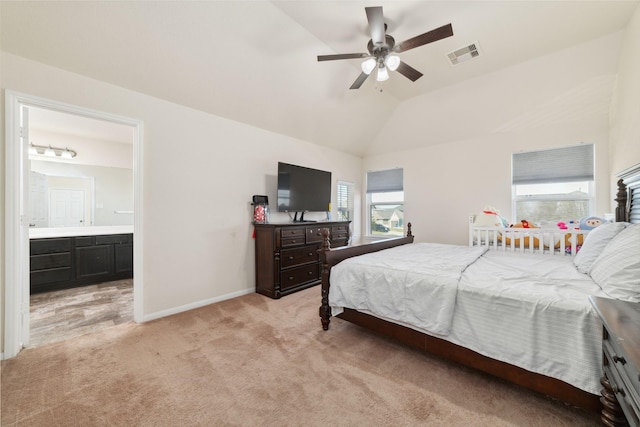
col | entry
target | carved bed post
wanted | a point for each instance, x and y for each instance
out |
(325, 310)
(409, 230)
(622, 214)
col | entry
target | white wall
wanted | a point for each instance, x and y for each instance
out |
(625, 117)
(200, 172)
(558, 100)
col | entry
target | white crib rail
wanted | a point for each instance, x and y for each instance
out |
(530, 240)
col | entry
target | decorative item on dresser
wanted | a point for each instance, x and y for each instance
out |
(621, 360)
(287, 257)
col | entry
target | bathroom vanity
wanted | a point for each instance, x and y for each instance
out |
(62, 258)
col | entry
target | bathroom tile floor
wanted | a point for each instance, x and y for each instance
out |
(59, 315)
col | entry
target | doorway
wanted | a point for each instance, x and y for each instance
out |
(18, 208)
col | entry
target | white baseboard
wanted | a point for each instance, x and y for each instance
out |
(197, 304)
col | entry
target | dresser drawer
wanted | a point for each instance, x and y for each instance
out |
(299, 275)
(49, 246)
(292, 236)
(339, 229)
(53, 275)
(292, 257)
(113, 239)
(314, 234)
(625, 374)
(47, 261)
(625, 399)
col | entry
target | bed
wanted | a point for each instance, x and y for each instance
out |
(549, 342)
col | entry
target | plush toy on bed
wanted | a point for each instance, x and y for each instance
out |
(591, 222)
(516, 241)
(489, 217)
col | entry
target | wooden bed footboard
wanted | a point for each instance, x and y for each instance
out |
(330, 257)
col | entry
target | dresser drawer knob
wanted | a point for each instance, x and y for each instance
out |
(290, 257)
(617, 359)
(310, 273)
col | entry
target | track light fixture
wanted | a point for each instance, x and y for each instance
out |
(49, 151)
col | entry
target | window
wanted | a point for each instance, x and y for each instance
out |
(385, 203)
(345, 201)
(553, 185)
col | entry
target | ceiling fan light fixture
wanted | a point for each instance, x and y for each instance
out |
(368, 65)
(383, 74)
(392, 62)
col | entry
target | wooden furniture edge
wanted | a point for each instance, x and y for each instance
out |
(428, 344)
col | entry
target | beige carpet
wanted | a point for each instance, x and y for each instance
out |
(254, 361)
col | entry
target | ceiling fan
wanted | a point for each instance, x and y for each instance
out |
(382, 48)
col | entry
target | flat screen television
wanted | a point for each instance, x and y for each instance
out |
(302, 189)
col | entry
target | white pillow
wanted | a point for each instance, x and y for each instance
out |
(617, 269)
(594, 243)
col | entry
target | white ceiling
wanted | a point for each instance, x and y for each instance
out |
(255, 61)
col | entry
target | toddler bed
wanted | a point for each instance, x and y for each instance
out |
(532, 240)
(524, 317)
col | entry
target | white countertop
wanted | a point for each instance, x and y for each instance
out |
(39, 233)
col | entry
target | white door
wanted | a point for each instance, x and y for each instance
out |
(66, 208)
(38, 200)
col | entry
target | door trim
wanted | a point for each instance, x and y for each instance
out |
(16, 277)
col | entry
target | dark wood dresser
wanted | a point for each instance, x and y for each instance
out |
(621, 359)
(287, 258)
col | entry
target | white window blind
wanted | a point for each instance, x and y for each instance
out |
(567, 164)
(345, 201)
(385, 181)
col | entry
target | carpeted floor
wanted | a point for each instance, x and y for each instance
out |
(255, 361)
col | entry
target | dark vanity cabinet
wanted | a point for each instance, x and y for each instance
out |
(67, 262)
(287, 258)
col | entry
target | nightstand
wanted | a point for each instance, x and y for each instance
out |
(621, 360)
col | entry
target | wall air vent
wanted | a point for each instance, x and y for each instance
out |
(464, 54)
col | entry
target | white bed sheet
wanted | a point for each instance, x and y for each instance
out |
(528, 310)
(429, 274)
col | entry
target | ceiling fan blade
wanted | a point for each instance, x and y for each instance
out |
(409, 72)
(361, 79)
(429, 37)
(376, 24)
(342, 56)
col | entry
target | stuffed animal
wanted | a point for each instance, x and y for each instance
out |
(526, 240)
(591, 222)
(489, 217)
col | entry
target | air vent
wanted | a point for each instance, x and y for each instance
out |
(464, 54)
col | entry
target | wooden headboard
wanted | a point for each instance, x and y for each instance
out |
(628, 195)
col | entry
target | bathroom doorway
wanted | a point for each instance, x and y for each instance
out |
(23, 135)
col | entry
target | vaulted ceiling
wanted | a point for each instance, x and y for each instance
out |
(255, 61)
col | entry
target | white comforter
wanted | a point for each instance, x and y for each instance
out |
(529, 310)
(415, 284)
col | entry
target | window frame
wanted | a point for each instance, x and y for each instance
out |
(583, 157)
(396, 185)
(350, 202)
